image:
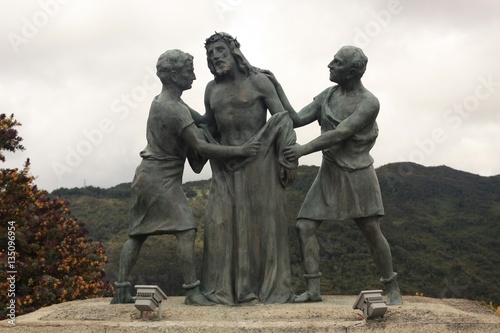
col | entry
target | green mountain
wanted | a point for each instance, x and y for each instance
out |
(442, 225)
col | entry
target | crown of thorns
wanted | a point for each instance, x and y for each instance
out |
(221, 37)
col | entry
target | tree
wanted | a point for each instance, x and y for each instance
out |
(46, 255)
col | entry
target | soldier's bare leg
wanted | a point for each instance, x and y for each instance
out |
(381, 254)
(185, 241)
(309, 251)
(128, 259)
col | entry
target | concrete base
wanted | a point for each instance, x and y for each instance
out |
(334, 314)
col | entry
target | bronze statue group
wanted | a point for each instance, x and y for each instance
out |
(253, 159)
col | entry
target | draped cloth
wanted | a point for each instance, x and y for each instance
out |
(246, 256)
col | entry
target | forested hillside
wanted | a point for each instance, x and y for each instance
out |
(442, 224)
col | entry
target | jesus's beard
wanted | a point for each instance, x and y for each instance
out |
(221, 68)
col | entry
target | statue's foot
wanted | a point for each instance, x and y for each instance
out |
(307, 297)
(122, 300)
(394, 296)
(392, 290)
(122, 295)
(198, 299)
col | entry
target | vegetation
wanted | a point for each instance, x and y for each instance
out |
(442, 224)
(46, 255)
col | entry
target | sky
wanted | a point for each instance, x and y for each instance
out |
(80, 75)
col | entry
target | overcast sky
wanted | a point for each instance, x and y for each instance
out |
(79, 75)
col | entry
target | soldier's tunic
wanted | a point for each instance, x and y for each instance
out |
(346, 186)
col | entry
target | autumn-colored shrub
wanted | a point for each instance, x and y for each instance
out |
(45, 253)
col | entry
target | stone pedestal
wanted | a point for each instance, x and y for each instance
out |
(334, 314)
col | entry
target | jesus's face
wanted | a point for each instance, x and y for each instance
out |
(221, 58)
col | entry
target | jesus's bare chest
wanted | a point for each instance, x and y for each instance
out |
(238, 103)
(239, 113)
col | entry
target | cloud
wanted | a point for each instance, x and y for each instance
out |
(90, 69)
